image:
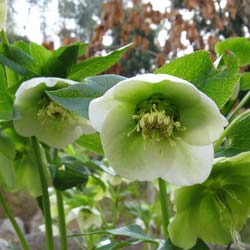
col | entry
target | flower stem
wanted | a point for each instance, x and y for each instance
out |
(164, 205)
(13, 222)
(229, 127)
(239, 106)
(60, 209)
(45, 195)
(61, 217)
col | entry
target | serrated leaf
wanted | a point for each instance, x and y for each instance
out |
(245, 81)
(237, 139)
(91, 142)
(95, 65)
(198, 69)
(76, 98)
(240, 46)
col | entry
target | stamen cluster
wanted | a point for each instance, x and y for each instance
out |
(156, 120)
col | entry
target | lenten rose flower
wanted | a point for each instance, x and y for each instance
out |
(3, 12)
(42, 117)
(155, 126)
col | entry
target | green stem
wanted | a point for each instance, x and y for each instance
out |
(13, 222)
(229, 127)
(61, 217)
(60, 209)
(45, 195)
(4, 37)
(239, 106)
(164, 206)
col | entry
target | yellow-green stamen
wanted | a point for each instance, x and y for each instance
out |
(52, 112)
(156, 120)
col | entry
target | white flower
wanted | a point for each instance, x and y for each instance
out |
(155, 126)
(42, 117)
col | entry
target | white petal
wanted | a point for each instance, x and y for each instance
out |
(131, 156)
(66, 133)
(204, 123)
(99, 109)
(48, 81)
(139, 88)
(191, 165)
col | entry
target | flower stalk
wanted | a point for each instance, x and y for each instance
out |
(164, 206)
(61, 218)
(11, 217)
(239, 106)
(45, 195)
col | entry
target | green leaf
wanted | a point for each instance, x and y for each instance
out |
(95, 65)
(245, 81)
(69, 175)
(237, 140)
(7, 155)
(131, 231)
(6, 106)
(6, 146)
(40, 54)
(57, 63)
(18, 60)
(118, 245)
(3, 80)
(240, 46)
(198, 69)
(76, 98)
(91, 142)
(22, 45)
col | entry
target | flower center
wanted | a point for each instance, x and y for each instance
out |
(156, 120)
(51, 112)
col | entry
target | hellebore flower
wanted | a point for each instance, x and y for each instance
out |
(3, 12)
(215, 210)
(44, 118)
(155, 126)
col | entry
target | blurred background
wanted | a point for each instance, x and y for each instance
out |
(159, 29)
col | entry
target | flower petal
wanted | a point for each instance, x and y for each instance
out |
(66, 133)
(204, 123)
(191, 165)
(139, 88)
(136, 89)
(100, 108)
(131, 156)
(27, 106)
